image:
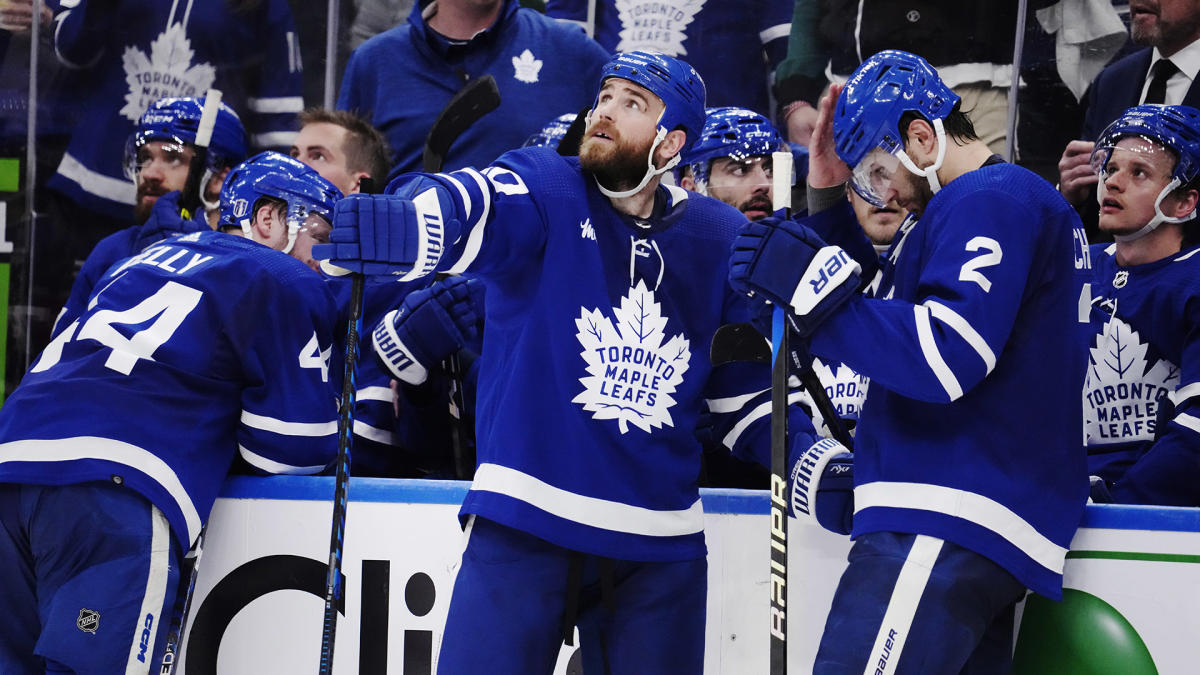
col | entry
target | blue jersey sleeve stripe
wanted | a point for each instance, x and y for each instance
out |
(94, 447)
(271, 466)
(758, 412)
(731, 404)
(970, 506)
(477, 224)
(961, 326)
(463, 193)
(281, 427)
(775, 32)
(275, 104)
(591, 511)
(932, 356)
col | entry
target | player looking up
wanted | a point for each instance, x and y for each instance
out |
(584, 509)
(1142, 379)
(732, 160)
(197, 350)
(343, 147)
(157, 157)
(969, 475)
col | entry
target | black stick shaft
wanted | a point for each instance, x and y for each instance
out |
(780, 375)
(334, 588)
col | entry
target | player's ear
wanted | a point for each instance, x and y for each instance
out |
(671, 145)
(358, 176)
(920, 141)
(1187, 202)
(264, 220)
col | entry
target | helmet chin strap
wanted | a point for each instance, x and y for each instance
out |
(929, 172)
(1159, 217)
(650, 170)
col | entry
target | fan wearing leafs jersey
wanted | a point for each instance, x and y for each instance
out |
(969, 468)
(604, 289)
(1143, 430)
(200, 349)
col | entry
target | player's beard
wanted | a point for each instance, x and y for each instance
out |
(757, 202)
(916, 193)
(142, 209)
(619, 165)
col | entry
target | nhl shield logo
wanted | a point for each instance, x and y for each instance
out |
(1120, 279)
(88, 621)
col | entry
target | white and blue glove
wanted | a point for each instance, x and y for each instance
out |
(823, 486)
(388, 234)
(789, 264)
(429, 325)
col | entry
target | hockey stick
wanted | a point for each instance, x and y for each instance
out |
(475, 100)
(334, 587)
(568, 145)
(171, 651)
(191, 198)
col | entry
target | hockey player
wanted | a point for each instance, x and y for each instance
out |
(969, 475)
(113, 448)
(604, 289)
(343, 147)
(732, 160)
(157, 157)
(1144, 348)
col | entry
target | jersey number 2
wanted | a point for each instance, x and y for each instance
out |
(991, 256)
(169, 306)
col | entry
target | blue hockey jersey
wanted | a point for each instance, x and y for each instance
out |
(970, 432)
(595, 362)
(131, 53)
(402, 78)
(735, 45)
(1143, 377)
(196, 350)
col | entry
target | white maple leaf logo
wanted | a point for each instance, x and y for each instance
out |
(656, 26)
(526, 68)
(846, 389)
(167, 72)
(632, 374)
(1122, 391)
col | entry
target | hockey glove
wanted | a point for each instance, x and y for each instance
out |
(823, 486)
(386, 234)
(790, 265)
(166, 221)
(1098, 492)
(431, 324)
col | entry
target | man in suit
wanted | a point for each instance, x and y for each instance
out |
(1165, 71)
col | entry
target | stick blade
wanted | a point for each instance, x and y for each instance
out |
(478, 98)
(739, 342)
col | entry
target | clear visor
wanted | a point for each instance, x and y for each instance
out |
(316, 227)
(756, 171)
(1131, 148)
(302, 214)
(140, 153)
(873, 176)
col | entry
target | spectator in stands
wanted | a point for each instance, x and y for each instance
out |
(733, 44)
(970, 44)
(402, 78)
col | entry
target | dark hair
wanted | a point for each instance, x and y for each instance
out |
(366, 147)
(957, 125)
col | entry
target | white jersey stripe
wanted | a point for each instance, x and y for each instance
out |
(374, 394)
(94, 447)
(271, 466)
(969, 506)
(600, 513)
(1185, 392)
(463, 194)
(275, 104)
(154, 599)
(274, 139)
(960, 325)
(1188, 421)
(902, 606)
(932, 356)
(371, 433)
(277, 426)
(780, 30)
(92, 182)
(759, 411)
(731, 403)
(475, 237)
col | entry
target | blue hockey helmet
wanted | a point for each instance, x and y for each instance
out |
(868, 112)
(675, 82)
(1175, 128)
(732, 132)
(276, 176)
(176, 120)
(552, 133)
